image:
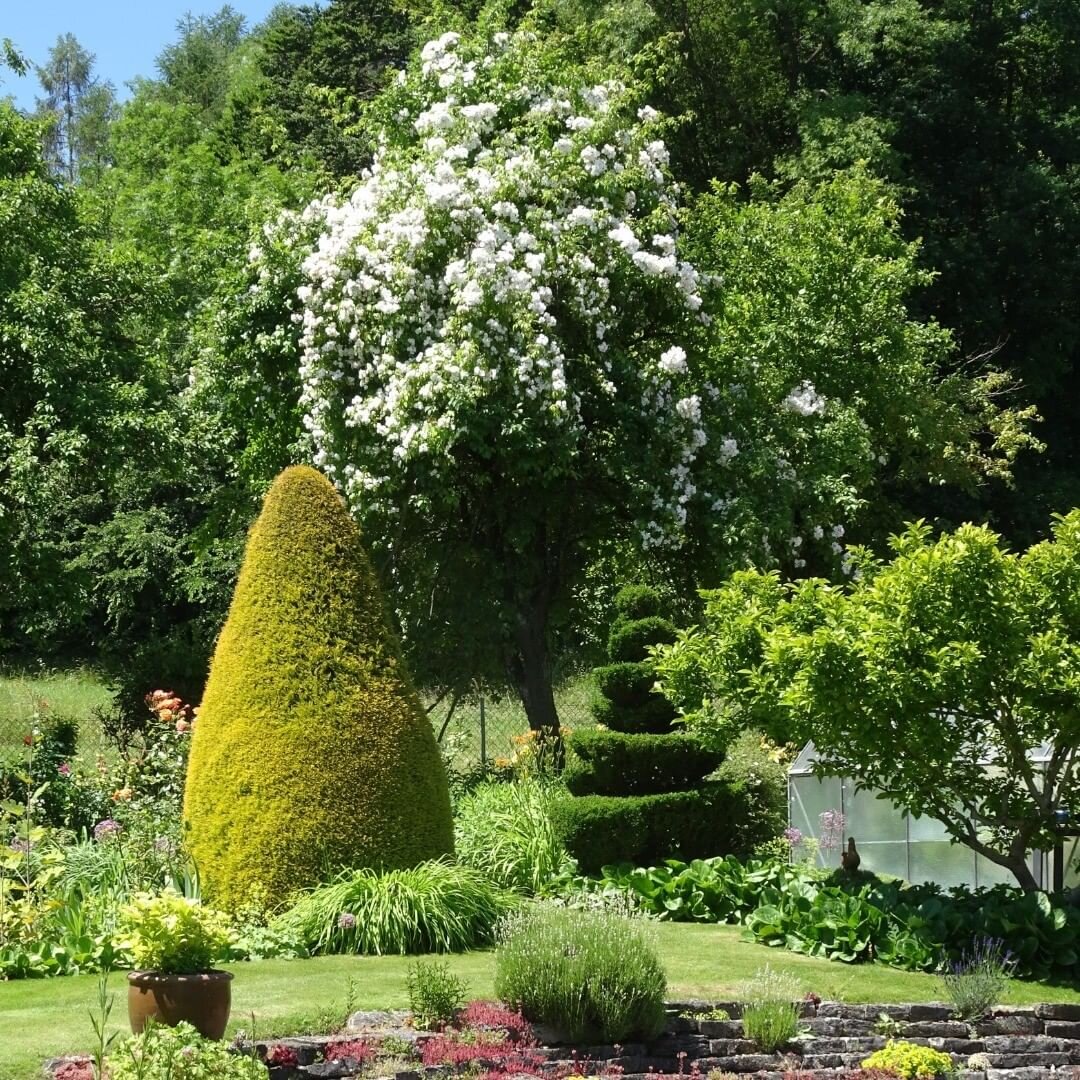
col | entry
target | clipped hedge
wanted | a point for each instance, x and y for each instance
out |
(625, 683)
(652, 717)
(612, 763)
(600, 830)
(311, 752)
(637, 602)
(629, 639)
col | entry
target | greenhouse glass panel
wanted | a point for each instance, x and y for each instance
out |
(927, 829)
(989, 873)
(947, 864)
(809, 797)
(888, 858)
(873, 820)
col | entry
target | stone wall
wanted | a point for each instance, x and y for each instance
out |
(1036, 1043)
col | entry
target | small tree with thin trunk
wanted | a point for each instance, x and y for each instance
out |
(935, 679)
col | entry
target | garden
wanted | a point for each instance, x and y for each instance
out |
(368, 386)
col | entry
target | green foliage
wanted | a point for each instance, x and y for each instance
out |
(630, 639)
(54, 740)
(595, 977)
(180, 1053)
(979, 979)
(612, 763)
(311, 752)
(435, 994)
(633, 602)
(755, 771)
(433, 907)
(172, 934)
(919, 928)
(770, 1012)
(963, 651)
(910, 1061)
(602, 829)
(653, 716)
(629, 683)
(505, 831)
(701, 673)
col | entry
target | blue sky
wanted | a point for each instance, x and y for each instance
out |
(125, 35)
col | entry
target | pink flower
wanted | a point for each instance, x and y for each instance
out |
(64, 769)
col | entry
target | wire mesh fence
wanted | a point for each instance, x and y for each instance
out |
(483, 727)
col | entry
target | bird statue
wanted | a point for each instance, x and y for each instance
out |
(850, 859)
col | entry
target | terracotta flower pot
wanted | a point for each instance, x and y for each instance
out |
(203, 1000)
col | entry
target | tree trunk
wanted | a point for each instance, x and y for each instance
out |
(1014, 860)
(530, 668)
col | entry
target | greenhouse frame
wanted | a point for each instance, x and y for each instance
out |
(892, 841)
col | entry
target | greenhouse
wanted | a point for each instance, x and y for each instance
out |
(829, 809)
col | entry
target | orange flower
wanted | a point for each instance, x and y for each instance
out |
(122, 794)
(165, 715)
(182, 726)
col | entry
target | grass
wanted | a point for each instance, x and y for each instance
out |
(78, 691)
(74, 692)
(40, 1019)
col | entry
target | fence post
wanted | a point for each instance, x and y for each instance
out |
(483, 734)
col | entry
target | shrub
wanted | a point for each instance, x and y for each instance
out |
(434, 907)
(179, 1053)
(594, 976)
(357, 1050)
(770, 1014)
(612, 763)
(626, 683)
(435, 993)
(172, 934)
(652, 717)
(910, 1062)
(312, 752)
(36, 770)
(637, 602)
(599, 830)
(978, 980)
(505, 831)
(630, 639)
(757, 778)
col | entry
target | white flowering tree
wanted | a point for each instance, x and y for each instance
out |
(508, 361)
(499, 340)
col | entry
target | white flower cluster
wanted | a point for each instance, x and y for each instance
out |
(481, 293)
(805, 400)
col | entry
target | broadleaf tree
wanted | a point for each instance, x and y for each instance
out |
(508, 361)
(947, 679)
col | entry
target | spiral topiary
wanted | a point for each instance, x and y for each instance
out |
(311, 752)
(637, 787)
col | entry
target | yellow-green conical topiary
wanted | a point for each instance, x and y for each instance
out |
(311, 751)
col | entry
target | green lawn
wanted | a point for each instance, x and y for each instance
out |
(73, 692)
(40, 1019)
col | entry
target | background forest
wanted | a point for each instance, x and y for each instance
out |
(885, 193)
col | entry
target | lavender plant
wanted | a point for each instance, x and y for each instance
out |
(978, 980)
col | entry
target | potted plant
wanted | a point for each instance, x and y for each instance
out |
(174, 942)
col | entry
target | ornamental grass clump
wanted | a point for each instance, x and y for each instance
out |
(978, 980)
(438, 906)
(594, 976)
(770, 1013)
(506, 831)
